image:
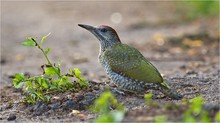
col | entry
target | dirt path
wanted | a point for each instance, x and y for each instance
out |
(151, 27)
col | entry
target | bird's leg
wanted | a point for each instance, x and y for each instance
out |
(119, 91)
(115, 89)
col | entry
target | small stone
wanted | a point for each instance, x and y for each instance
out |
(87, 101)
(80, 97)
(191, 72)
(69, 96)
(9, 105)
(43, 107)
(56, 98)
(96, 92)
(96, 87)
(3, 61)
(47, 114)
(37, 105)
(89, 95)
(75, 112)
(183, 67)
(11, 117)
(39, 108)
(37, 113)
(82, 116)
(82, 119)
(69, 104)
(54, 106)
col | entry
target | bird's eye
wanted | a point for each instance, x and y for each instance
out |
(103, 30)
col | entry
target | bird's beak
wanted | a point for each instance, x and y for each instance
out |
(87, 27)
(92, 29)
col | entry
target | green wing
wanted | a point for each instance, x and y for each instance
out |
(131, 63)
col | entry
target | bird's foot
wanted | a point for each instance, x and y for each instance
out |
(113, 88)
(116, 91)
(175, 95)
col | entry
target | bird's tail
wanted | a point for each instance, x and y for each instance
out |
(166, 90)
(165, 84)
(170, 92)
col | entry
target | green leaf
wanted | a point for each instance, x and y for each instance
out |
(117, 116)
(47, 51)
(104, 119)
(37, 83)
(71, 71)
(58, 68)
(19, 76)
(188, 118)
(148, 98)
(31, 90)
(83, 82)
(18, 80)
(30, 39)
(102, 105)
(29, 42)
(62, 82)
(160, 119)
(105, 100)
(196, 105)
(50, 71)
(217, 117)
(53, 87)
(29, 84)
(205, 117)
(30, 98)
(77, 72)
(19, 85)
(44, 83)
(39, 94)
(47, 98)
(44, 37)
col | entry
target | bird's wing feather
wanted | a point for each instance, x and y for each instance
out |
(131, 63)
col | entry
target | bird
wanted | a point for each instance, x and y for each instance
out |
(126, 66)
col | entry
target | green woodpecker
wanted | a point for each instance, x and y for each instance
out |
(126, 66)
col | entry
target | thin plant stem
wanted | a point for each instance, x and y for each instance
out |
(45, 55)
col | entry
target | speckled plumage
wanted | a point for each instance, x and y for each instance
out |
(126, 66)
(117, 63)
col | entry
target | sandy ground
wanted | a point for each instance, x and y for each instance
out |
(148, 26)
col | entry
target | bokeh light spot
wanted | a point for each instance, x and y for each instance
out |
(116, 18)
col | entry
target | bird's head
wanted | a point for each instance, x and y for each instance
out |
(106, 34)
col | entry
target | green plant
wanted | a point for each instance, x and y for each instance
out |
(148, 98)
(102, 106)
(193, 9)
(160, 119)
(195, 112)
(217, 117)
(52, 80)
(151, 104)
